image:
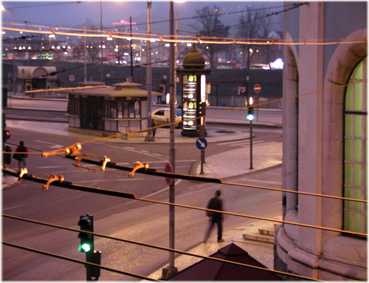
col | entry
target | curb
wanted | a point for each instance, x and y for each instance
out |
(35, 109)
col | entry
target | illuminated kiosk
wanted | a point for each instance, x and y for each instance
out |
(193, 81)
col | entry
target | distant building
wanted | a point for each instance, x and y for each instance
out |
(325, 145)
(34, 78)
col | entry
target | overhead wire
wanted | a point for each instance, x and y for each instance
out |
(189, 177)
(229, 183)
(157, 173)
(226, 13)
(69, 185)
(212, 180)
(184, 39)
(222, 112)
(77, 261)
(156, 247)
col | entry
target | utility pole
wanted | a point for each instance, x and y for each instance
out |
(131, 42)
(101, 45)
(85, 54)
(148, 71)
(167, 272)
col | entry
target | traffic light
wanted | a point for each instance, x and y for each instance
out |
(202, 109)
(86, 222)
(250, 114)
(6, 135)
(250, 110)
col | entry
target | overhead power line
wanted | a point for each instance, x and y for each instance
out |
(155, 247)
(77, 261)
(60, 182)
(182, 38)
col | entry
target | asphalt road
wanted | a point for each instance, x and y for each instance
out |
(127, 219)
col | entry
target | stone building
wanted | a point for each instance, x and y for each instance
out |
(325, 142)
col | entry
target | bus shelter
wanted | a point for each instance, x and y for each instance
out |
(108, 110)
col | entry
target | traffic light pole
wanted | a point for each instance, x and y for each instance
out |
(93, 272)
(86, 223)
(251, 167)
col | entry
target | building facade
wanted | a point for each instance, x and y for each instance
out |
(325, 142)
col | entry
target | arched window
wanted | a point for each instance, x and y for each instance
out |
(355, 150)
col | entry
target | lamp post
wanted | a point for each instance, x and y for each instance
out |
(148, 71)
(167, 272)
(101, 45)
(13, 47)
(130, 46)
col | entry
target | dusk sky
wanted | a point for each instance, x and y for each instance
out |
(74, 14)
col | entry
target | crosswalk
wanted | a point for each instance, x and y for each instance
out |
(240, 143)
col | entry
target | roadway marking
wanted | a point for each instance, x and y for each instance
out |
(51, 145)
(240, 143)
(49, 167)
(132, 149)
(112, 180)
(12, 207)
(263, 181)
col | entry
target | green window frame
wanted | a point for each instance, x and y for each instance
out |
(355, 150)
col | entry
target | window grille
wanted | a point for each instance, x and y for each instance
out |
(355, 150)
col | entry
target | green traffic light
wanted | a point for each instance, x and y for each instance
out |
(85, 248)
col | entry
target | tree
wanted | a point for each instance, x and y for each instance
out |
(210, 25)
(121, 46)
(253, 24)
(92, 43)
(265, 29)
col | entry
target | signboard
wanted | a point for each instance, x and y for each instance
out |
(190, 102)
(168, 168)
(257, 88)
(201, 143)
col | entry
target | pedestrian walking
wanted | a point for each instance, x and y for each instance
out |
(153, 124)
(21, 153)
(215, 203)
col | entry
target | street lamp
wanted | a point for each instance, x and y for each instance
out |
(13, 77)
(148, 71)
(101, 43)
(172, 269)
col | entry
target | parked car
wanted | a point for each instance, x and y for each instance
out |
(162, 116)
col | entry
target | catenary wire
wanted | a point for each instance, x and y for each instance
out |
(72, 186)
(192, 39)
(152, 246)
(77, 261)
(237, 184)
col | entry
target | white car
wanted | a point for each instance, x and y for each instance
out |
(162, 116)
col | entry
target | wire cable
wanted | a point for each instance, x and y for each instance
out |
(191, 39)
(77, 261)
(153, 246)
(72, 186)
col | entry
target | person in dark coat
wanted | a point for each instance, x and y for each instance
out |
(23, 154)
(215, 203)
(153, 124)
